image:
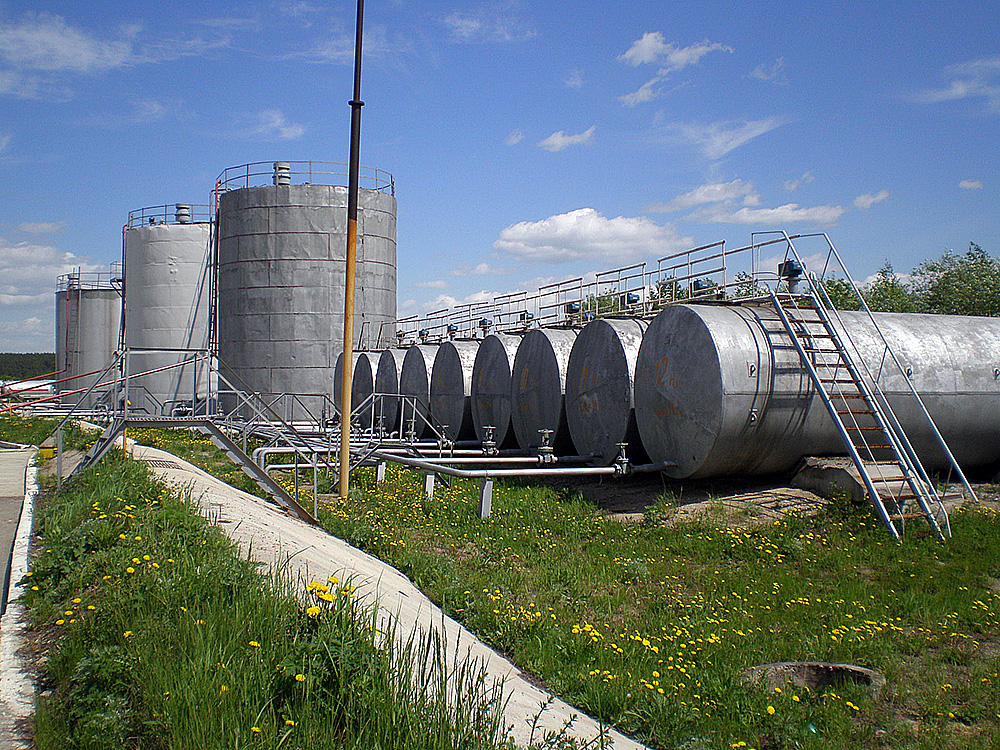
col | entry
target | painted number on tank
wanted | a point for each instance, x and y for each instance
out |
(661, 370)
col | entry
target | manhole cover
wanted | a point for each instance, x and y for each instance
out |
(157, 463)
(814, 675)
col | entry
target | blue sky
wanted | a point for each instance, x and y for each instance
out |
(529, 140)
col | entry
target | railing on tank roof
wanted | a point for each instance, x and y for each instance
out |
(172, 213)
(258, 173)
(705, 273)
(81, 279)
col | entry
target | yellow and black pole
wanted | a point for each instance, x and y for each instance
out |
(352, 245)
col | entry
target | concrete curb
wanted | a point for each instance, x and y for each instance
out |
(303, 551)
(17, 689)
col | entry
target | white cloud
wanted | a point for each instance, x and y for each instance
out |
(444, 301)
(338, 48)
(4, 141)
(575, 79)
(786, 214)
(559, 140)
(973, 79)
(585, 234)
(272, 124)
(964, 184)
(805, 179)
(42, 227)
(868, 200)
(438, 284)
(482, 269)
(713, 192)
(514, 137)
(43, 41)
(717, 139)
(652, 47)
(499, 23)
(645, 93)
(773, 73)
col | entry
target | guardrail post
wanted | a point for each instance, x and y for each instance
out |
(429, 485)
(485, 498)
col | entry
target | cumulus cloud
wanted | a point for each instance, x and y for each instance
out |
(559, 140)
(585, 234)
(805, 179)
(787, 214)
(482, 269)
(713, 192)
(575, 79)
(498, 23)
(514, 137)
(445, 301)
(652, 47)
(716, 139)
(41, 227)
(773, 73)
(437, 284)
(272, 124)
(964, 184)
(4, 141)
(975, 79)
(868, 200)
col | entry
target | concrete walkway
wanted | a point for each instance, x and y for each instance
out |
(16, 687)
(276, 539)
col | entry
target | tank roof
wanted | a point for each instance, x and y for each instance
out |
(260, 173)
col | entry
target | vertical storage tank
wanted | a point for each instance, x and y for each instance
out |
(88, 319)
(167, 291)
(281, 253)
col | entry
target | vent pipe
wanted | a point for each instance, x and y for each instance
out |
(282, 173)
(182, 213)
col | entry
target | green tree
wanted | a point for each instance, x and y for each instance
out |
(966, 284)
(840, 293)
(886, 293)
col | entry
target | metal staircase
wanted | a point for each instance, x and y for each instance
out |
(887, 463)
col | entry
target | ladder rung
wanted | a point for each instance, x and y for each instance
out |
(855, 411)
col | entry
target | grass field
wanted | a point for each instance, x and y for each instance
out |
(649, 625)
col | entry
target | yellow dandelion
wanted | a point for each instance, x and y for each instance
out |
(313, 611)
(127, 634)
(130, 569)
(255, 644)
(255, 730)
(289, 723)
(300, 677)
(60, 622)
(770, 710)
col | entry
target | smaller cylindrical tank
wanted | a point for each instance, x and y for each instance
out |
(338, 379)
(362, 387)
(599, 404)
(491, 387)
(415, 382)
(451, 388)
(538, 387)
(390, 367)
(88, 319)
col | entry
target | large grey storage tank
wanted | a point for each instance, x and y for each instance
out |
(599, 403)
(282, 250)
(451, 388)
(390, 367)
(362, 386)
(721, 390)
(167, 295)
(538, 388)
(88, 320)
(415, 382)
(491, 387)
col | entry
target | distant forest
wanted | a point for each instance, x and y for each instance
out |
(21, 366)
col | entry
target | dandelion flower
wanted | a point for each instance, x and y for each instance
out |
(130, 569)
(300, 677)
(60, 622)
(313, 611)
(255, 644)
(255, 730)
(289, 723)
(770, 710)
(127, 634)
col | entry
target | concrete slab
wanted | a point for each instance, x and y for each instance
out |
(269, 536)
(17, 488)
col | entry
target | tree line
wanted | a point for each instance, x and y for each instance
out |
(966, 284)
(21, 366)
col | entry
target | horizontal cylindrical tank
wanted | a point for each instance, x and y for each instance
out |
(451, 388)
(88, 319)
(167, 290)
(415, 382)
(491, 387)
(390, 367)
(599, 398)
(721, 390)
(281, 280)
(362, 387)
(538, 388)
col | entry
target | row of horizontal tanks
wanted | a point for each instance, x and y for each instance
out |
(698, 391)
(279, 285)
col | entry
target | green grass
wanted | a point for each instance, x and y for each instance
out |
(32, 431)
(649, 625)
(163, 636)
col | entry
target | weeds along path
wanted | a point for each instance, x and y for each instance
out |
(269, 536)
